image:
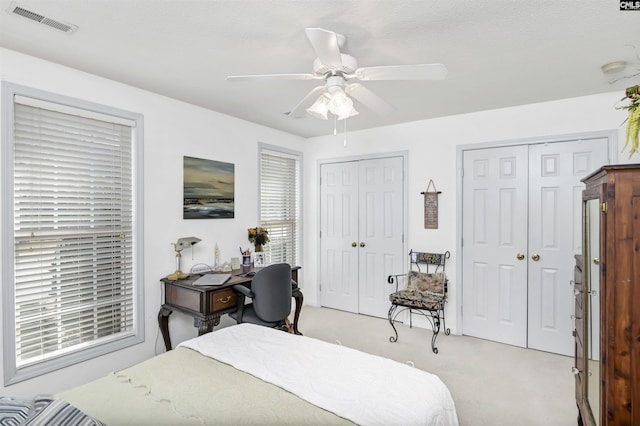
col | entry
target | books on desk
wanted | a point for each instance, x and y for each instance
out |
(212, 279)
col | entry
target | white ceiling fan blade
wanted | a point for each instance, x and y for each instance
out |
(301, 109)
(369, 99)
(403, 72)
(272, 77)
(326, 45)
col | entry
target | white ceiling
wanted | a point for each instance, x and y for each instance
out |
(499, 53)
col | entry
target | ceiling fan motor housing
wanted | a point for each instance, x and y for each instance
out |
(349, 66)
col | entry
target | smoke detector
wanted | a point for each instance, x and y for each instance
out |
(16, 9)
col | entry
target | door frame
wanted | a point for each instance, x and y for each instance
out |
(405, 162)
(612, 142)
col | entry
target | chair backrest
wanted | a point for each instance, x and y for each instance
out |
(427, 272)
(271, 287)
(428, 262)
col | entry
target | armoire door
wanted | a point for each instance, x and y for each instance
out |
(521, 228)
(361, 233)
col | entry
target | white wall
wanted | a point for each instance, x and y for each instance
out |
(432, 154)
(172, 129)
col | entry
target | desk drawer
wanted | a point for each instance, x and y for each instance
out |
(183, 298)
(222, 300)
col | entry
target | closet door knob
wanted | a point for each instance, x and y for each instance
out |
(361, 244)
(353, 244)
(519, 256)
(535, 257)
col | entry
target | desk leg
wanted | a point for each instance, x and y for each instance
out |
(163, 322)
(205, 325)
(297, 295)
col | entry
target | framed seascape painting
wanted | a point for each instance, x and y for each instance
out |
(208, 189)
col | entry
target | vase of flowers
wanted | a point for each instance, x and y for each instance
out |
(258, 236)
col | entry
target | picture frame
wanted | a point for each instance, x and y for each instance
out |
(259, 259)
(209, 189)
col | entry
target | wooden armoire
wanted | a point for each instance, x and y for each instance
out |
(607, 291)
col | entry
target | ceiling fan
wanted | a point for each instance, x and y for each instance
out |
(337, 70)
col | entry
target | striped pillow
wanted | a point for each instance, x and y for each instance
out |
(42, 410)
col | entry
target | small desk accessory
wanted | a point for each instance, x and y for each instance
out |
(212, 279)
(178, 246)
(259, 259)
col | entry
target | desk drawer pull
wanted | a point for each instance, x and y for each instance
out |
(225, 300)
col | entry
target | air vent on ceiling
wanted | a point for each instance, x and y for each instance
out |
(53, 23)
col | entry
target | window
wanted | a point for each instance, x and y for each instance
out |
(280, 204)
(71, 243)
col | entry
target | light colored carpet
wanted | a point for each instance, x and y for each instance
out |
(491, 383)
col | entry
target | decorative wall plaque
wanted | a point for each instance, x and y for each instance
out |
(431, 206)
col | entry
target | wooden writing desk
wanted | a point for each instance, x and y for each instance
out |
(208, 303)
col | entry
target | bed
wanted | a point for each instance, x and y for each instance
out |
(248, 374)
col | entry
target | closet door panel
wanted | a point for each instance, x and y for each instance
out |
(339, 232)
(494, 291)
(381, 228)
(521, 228)
(555, 237)
(361, 241)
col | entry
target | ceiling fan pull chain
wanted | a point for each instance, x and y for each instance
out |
(344, 142)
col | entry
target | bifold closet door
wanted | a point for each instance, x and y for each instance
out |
(380, 227)
(361, 226)
(338, 234)
(555, 236)
(521, 228)
(494, 248)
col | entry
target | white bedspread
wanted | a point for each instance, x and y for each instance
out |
(364, 388)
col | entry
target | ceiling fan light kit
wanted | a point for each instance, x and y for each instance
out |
(336, 69)
(320, 107)
(337, 103)
(342, 105)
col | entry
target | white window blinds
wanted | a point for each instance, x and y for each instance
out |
(73, 231)
(280, 205)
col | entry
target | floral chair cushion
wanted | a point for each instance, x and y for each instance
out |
(429, 283)
(423, 290)
(416, 299)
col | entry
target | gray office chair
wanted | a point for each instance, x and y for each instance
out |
(271, 294)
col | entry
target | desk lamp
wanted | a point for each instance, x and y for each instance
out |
(178, 246)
